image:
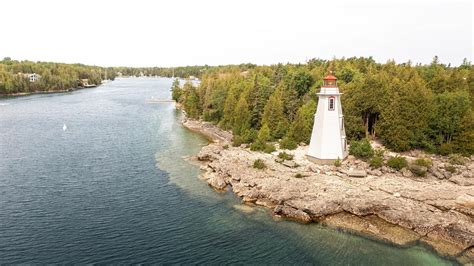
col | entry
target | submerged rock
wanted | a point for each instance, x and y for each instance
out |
(244, 208)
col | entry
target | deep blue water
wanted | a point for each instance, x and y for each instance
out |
(116, 187)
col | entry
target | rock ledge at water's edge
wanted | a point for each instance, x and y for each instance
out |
(383, 205)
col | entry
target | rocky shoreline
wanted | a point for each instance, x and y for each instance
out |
(388, 205)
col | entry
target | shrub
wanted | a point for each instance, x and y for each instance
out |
(379, 152)
(257, 146)
(285, 156)
(237, 141)
(269, 148)
(418, 170)
(288, 143)
(446, 148)
(259, 164)
(376, 162)
(456, 159)
(426, 162)
(450, 169)
(361, 149)
(225, 147)
(397, 162)
(262, 146)
(249, 136)
(337, 163)
(298, 175)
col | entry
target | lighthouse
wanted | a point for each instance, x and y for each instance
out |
(328, 139)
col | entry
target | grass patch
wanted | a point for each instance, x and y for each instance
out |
(426, 162)
(397, 162)
(285, 156)
(457, 159)
(259, 164)
(376, 162)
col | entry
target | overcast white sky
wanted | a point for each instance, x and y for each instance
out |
(187, 32)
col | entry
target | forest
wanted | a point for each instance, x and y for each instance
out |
(61, 77)
(405, 106)
(53, 76)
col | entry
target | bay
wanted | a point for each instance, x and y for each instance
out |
(117, 187)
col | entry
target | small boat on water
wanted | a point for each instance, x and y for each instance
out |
(64, 127)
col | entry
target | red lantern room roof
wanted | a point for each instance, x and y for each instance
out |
(330, 77)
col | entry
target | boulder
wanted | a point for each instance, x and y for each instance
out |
(385, 169)
(216, 181)
(290, 164)
(357, 173)
(465, 201)
(467, 174)
(314, 168)
(460, 180)
(438, 174)
(406, 172)
(209, 153)
(375, 172)
(292, 213)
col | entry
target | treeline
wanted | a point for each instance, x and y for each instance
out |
(182, 72)
(406, 106)
(53, 76)
(59, 77)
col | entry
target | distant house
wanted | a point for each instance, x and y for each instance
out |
(32, 77)
(85, 83)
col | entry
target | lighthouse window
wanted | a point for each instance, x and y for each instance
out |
(331, 104)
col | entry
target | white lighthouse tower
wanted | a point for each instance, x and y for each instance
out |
(328, 139)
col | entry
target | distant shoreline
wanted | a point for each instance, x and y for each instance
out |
(43, 92)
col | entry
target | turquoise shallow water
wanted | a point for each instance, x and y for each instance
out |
(116, 187)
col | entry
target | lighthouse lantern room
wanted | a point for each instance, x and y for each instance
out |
(328, 139)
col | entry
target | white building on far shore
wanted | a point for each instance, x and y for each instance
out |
(32, 77)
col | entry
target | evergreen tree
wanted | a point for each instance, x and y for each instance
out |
(302, 126)
(274, 117)
(242, 117)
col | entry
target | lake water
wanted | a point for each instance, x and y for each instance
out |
(116, 187)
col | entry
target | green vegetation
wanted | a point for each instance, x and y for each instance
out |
(288, 143)
(406, 106)
(457, 159)
(285, 156)
(52, 76)
(451, 169)
(418, 170)
(397, 162)
(426, 162)
(376, 162)
(337, 162)
(259, 164)
(298, 175)
(361, 149)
